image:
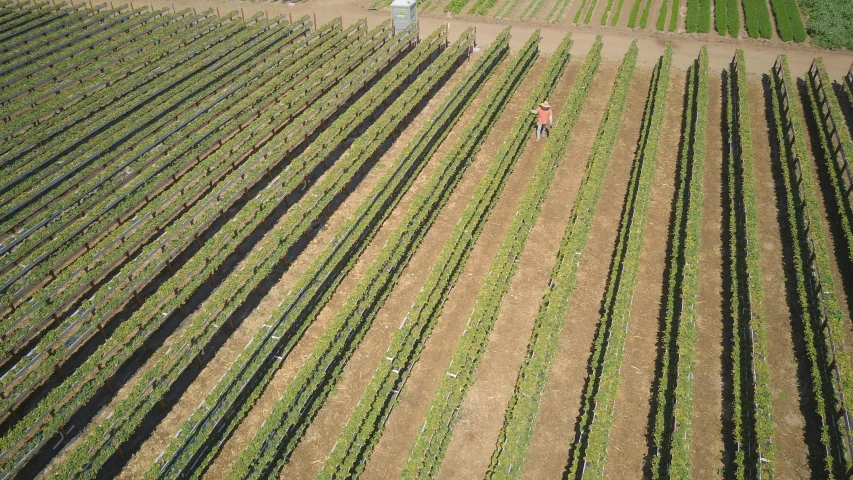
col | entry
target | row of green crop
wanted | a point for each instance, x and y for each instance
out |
(590, 447)
(837, 147)
(432, 440)
(820, 310)
(673, 11)
(366, 423)
(292, 413)
(752, 412)
(120, 148)
(757, 18)
(830, 334)
(47, 42)
(50, 53)
(673, 399)
(138, 71)
(131, 334)
(61, 342)
(31, 181)
(76, 278)
(698, 16)
(514, 441)
(251, 369)
(686, 336)
(40, 82)
(62, 233)
(789, 22)
(727, 17)
(231, 294)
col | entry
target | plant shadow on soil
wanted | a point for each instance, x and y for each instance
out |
(577, 450)
(130, 368)
(726, 364)
(824, 183)
(670, 289)
(811, 432)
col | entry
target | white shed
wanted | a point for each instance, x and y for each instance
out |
(403, 14)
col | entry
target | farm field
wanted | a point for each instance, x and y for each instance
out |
(257, 245)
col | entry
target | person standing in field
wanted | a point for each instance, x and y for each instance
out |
(545, 119)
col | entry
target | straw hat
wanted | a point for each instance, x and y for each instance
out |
(545, 104)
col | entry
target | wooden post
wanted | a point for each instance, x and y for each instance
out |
(90, 4)
(267, 14)
(290, 14)
(315, 20)
(217, 13)
(242, 14)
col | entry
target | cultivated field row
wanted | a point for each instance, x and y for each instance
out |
(236, 248)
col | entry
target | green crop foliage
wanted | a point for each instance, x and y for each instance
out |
(431, 444)
(752, 411)
(590, 447)
(820, 311)
(673, 402)
(367, 422)
(829, 22)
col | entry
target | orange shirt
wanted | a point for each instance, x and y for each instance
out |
(544, 114)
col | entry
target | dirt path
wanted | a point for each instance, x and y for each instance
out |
(760, 54)
(789, 424)
(628, 445)
(555, 425)
(256, 416)
(707, 444)
(393, 448)
(320, 437)
(483, 410)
